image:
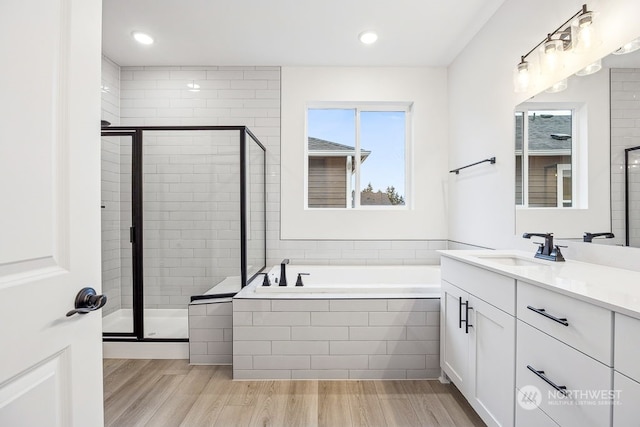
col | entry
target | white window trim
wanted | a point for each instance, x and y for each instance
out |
(359, 107)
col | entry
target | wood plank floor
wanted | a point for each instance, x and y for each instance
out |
(172, 393)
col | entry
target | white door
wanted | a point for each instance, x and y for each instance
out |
(50, 364)
(454, 339)
(492, 360)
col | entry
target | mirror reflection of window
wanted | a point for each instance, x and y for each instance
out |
(544, 160)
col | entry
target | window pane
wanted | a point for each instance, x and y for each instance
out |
(549, 144)
(519, 145)
(331, 141)
(382, 145)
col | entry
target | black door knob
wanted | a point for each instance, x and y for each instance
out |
(86, 301)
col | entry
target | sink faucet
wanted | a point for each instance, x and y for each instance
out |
(283, 272)
(546, 250)
(588, 237)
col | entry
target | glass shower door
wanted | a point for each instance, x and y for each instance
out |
(116, 223)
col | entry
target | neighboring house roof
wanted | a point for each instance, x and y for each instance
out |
(317, 145)
(546, 132)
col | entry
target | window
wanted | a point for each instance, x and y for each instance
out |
(545, 158)
(357, 156)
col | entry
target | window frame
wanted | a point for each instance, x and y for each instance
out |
(578, 116)
(359, 107)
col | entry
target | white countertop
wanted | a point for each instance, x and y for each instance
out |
(612, 288)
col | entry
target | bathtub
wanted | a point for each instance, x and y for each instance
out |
(351, 282)
(346, 322)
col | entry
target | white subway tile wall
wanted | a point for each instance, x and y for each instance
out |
(211, 333)
(110, 190)
(625, 125)
(364, 339)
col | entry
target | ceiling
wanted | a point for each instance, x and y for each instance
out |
(292, 32)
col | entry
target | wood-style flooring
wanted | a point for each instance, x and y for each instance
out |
(173, 393)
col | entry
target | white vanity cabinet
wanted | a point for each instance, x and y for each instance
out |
(626, 377)
(564, 343)
(478, 338)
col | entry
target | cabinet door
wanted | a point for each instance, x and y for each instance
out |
(491, 375)
(454, 341)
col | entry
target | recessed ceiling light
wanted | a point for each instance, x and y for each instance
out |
(368, 37)
(142, 37)
(193, 87)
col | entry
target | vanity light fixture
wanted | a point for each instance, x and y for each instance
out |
(522, 76)
(193, 86)
(575, 34)
(142, 38)
(632, 46)
(368, 37)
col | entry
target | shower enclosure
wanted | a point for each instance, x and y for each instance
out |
(183, 209)
(632, 195)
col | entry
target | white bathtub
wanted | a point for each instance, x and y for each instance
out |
(351, 281)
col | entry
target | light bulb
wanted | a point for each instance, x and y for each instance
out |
(522, 76)
(368, 37)
(550, 53)
(142, 38)
(583, 32)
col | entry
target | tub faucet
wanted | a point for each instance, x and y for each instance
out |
(546, 250)
(588, 237)
(283, 272)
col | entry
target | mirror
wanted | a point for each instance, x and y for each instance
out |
(571, 145)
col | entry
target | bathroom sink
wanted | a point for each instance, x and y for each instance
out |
(512, 261)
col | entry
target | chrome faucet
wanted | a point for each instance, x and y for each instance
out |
(283, 272)
(588, 237)
(546, 250)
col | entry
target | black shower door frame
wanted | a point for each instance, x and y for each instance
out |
(137, 135)
(627, 191)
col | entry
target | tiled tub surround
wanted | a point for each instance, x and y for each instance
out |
(322, 335)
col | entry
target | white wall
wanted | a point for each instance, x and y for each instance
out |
(426, 89)
(481, 103)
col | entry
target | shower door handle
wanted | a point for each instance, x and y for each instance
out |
(87, 301)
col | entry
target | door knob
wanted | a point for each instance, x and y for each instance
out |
(87, 301)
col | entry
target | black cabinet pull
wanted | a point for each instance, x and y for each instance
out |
(540, 374)
(466, 320)
(541, 311)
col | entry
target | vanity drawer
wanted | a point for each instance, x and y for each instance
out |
(627, 346)
(587, 327)
(626, 411)
(496, 289)
(526, 416)
(563, 366)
